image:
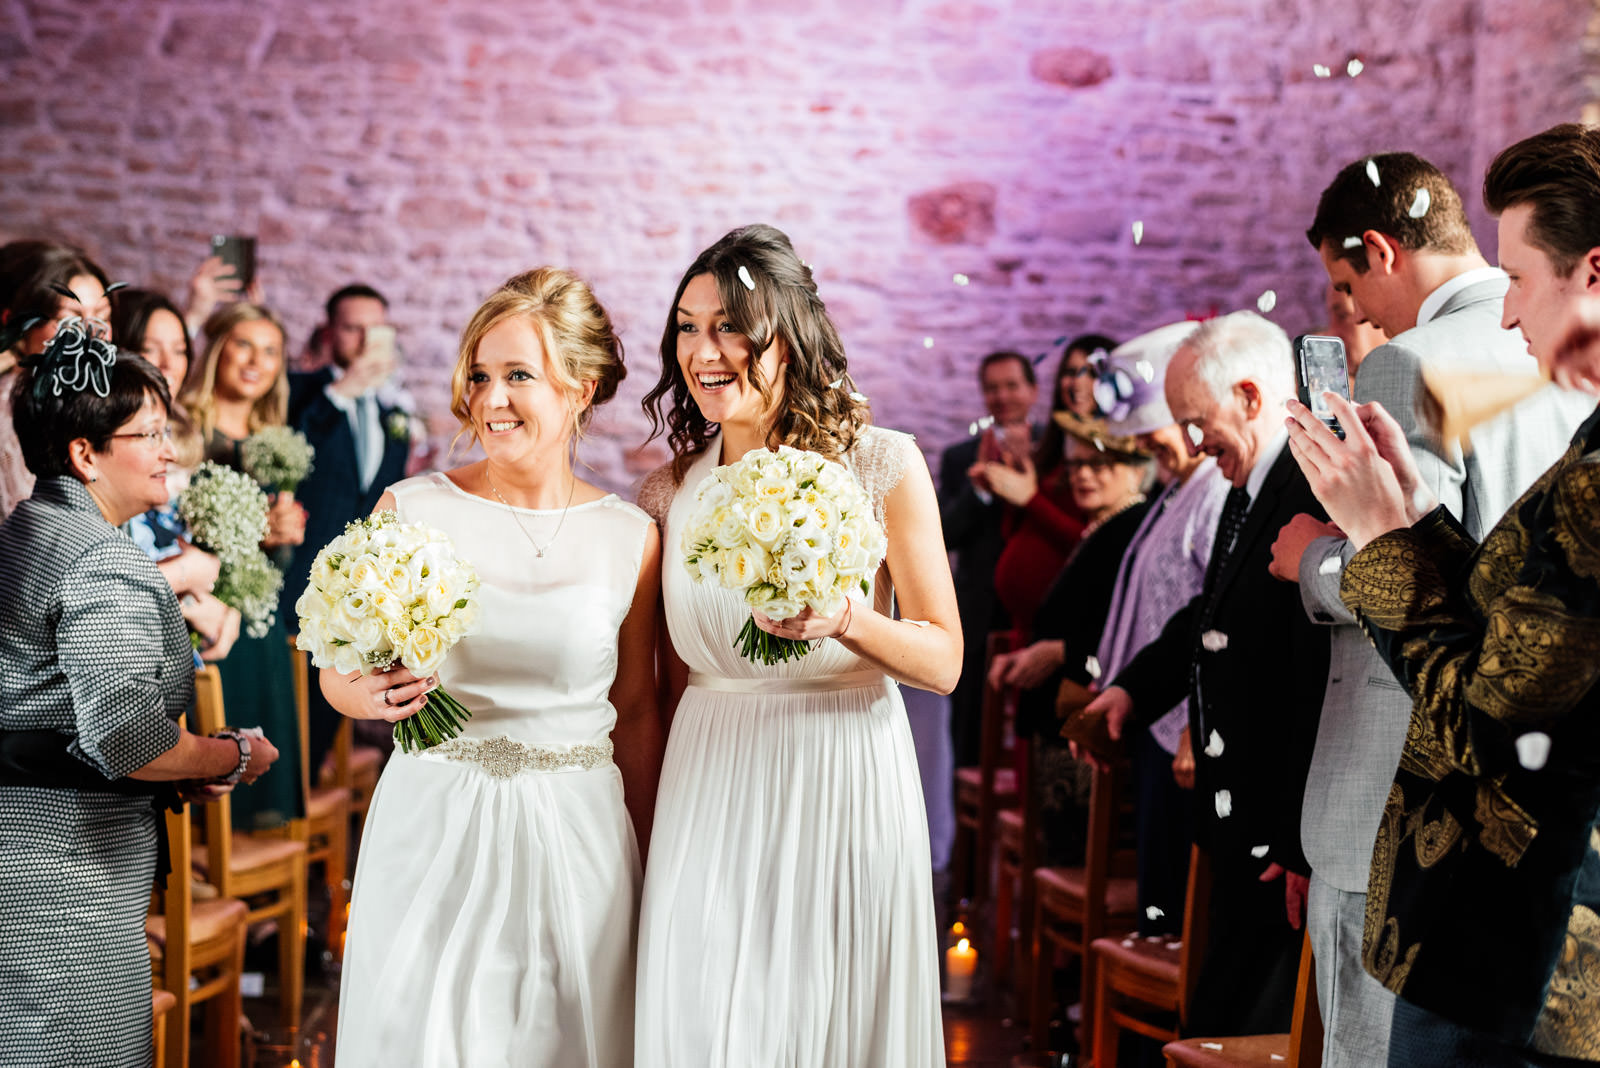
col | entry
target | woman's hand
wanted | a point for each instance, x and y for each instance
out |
(191, 571)
(215, 622)
(1368, 482)
(286, 522)
(1183, 762)
(213, 283)
(263, 754)
(1033, 666)
(197, 791)
(390, 695)
(1013, 484)
(809, 625)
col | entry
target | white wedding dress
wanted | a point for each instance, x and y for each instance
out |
(496, 896)
(788, 905)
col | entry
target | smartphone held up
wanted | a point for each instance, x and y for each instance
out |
(1320, 368)
(237, 251)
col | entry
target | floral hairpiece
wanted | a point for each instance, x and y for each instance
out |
(78, 357)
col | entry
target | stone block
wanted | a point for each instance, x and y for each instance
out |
(961, 213)
(1074, 67)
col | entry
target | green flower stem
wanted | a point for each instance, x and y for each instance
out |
(759, 647)
(441, 718)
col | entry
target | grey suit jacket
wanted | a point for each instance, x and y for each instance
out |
(1365, 710)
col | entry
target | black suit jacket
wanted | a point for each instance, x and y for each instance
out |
(972, 530)
(333, 494)
(1262, 694)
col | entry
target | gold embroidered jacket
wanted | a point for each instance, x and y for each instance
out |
(1484, 899)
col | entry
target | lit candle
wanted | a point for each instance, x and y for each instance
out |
(960, 962)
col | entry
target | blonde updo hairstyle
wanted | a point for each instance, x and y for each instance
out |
(199, 393)
(578, 338)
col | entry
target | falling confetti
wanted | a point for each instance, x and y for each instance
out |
(960, 279)
(1154, 913)
(1146, 369)
(1099, 444)
(1211, 1045)
(836, 383)
(1332, 565)
(1267, 301)
(1372, 171)
(1213, 745)
(1354, 67)
(978, 426)
(1533, 749)
(1279, 1057)
(1174, 945)
(1196, 435)
(927, 342)
(1258, 851)
(1138, 231)
(1420, 204)
(1224, 803)
(859, 398)
(1092, 666)
(1320, 71)
(1352, 242)
(744, 276)
(1127, 943)
(1214, 641)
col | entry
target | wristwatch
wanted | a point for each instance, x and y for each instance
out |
(243, 742)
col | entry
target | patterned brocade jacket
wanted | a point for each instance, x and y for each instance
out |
(1483, 905)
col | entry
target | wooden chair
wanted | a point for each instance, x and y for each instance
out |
(983, 791)
(1155, 976)
(203, 940)
(267, 871)
(1017, 849)
(353, 768)
(1074, 906)
(326, 827)
(161, 1003)
(1300, 1048)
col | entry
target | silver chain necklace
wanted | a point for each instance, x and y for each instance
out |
(538, 549)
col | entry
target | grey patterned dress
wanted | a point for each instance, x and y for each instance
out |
(92, 645)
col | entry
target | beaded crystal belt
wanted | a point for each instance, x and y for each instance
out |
(502, 757)
(853, 680)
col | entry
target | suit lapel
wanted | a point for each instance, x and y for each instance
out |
(1257, 522)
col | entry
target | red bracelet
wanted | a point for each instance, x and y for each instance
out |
(848, 616)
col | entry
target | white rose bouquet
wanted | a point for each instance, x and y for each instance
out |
(790, 529)
(278, 457)
(226, 513)
(384, 591)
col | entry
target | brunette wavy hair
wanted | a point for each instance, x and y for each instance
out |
(818, 410)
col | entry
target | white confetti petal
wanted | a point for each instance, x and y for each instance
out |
(1146, 369)
(744, 276)
(1420, 204)
(1533, 749)
(1098, 444)
(1211, 1045)
(1138, 231)
(978, 426)
(1196, 435)
(1258, 851)
(1320, 71)
(1224, 803)
(1372, 171)
(859, 398)
(1267, 301)
(1279, 1057)
(1154, 913)
(960, 279)
(1213, 641)
(1354, 67)
(1213, 745)
(927, 342)
(1092, 666)
(1174, 945)
(1332, 565)
(1127, 943)
(836, 383)
(1352, 242)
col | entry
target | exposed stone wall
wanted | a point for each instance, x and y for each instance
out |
(433, 148)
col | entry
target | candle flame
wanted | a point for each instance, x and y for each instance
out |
(963, 945)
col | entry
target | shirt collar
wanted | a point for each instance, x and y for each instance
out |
(1437, 299)
(1264, 462)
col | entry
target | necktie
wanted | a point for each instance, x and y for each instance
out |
(361, 417)
(1234, 510)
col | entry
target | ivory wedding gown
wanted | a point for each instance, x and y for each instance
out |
(788, 906)
(494, 914)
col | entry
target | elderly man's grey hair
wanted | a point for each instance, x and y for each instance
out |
(1242, 345)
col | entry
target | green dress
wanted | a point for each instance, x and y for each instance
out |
(258, 691)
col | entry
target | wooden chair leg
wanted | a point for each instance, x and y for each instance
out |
(1039, 998)
(177, 1051)
(223, 1012)
(337, 871)
(161, 1039)
(1003, 897)
(1104, 1038)
(292, 950)
(961, 877)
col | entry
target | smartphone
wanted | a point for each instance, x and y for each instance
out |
(1320, 368)
(379, 346)
(239, 252)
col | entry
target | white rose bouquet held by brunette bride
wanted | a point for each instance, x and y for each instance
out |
(792, 530)
(384, 591)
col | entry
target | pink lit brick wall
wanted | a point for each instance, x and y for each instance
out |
(433, 148)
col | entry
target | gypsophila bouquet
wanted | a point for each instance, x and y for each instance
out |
(278, 457)
(385, 591)
(791, 530)
(226, 513)
(251, 585)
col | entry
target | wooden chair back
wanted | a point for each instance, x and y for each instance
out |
(1300, 1048)
(1196, 928)
(210, 717)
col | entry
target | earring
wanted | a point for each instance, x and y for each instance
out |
(94, 478)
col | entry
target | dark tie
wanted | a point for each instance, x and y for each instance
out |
(1234, 510)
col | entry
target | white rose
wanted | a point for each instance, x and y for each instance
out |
(744, 566)
(352, 620)
(850, 560)
(779, 608)
(346, 658)
(442, 594)
(715, 493)
(778, 488)
(728, 528)
(364, 573)
(386, 606)
(765, 523)
(453, 628)
(426, 562)
(424, 650)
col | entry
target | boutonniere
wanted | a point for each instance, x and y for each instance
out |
(398, 425)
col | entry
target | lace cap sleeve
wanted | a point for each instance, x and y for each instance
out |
(879, 460)
(656, 493)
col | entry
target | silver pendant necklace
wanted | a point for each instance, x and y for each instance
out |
(539, 550)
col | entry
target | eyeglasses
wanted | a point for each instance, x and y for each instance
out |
(153, 438)
(1077, 372)
(1093, 463)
